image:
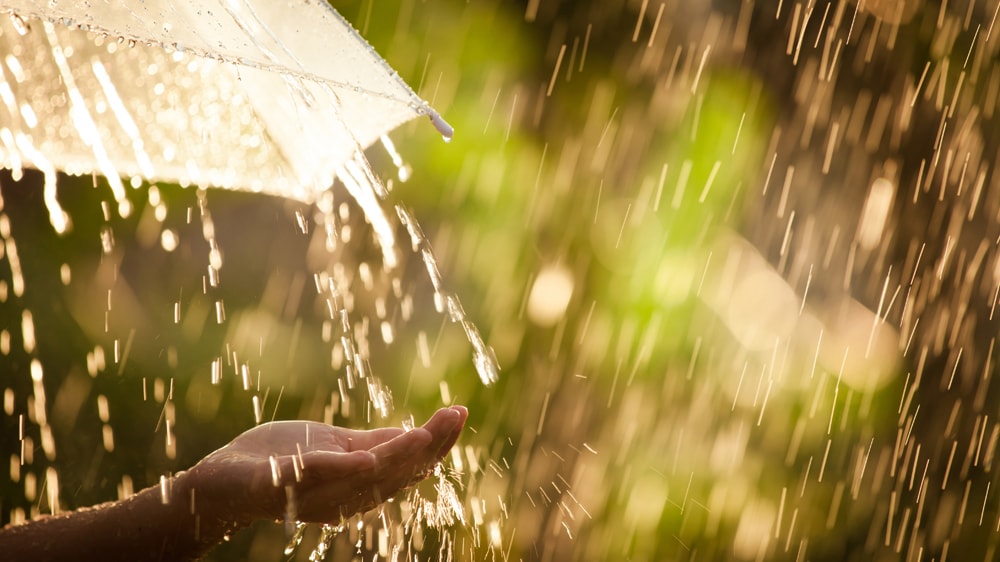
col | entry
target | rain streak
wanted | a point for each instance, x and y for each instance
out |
(716, 280)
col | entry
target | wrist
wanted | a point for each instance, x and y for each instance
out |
(208, 505)
(200, 516)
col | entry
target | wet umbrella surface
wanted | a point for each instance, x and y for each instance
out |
(738, 260)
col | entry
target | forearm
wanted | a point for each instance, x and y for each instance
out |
(155, 524)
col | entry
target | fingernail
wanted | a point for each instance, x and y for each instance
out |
(454, 417)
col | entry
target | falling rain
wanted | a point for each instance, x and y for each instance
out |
(715, 280)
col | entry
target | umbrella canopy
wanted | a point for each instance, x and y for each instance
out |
(263, 95)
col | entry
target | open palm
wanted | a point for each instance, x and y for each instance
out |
(315, 472)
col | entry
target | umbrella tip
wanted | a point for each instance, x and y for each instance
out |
(446, 130)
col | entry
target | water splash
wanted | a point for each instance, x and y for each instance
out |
(296, 539)
(326, 537)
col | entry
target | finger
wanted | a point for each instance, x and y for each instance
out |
(444, 420)
(455, 432)
(445, 425)
(409, 457)
(422, 442)
(392, 468)
(398, 462)
(319, 466)
(401, 449)
(363, 440)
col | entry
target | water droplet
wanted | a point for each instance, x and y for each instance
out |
(326, 536)
(169, 240)
(486, 366)
(296, 538)
(19, 24)
(443, 127)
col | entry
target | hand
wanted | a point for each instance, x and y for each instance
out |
(314, 472)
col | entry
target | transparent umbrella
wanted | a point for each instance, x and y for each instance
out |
(276, 97)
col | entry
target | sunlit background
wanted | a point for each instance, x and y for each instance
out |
(737, 262)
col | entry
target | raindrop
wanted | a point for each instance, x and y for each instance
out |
(550, 295)
(446, 130)
(168, 240)
(296, 539)
(19, 24)
(327, 534)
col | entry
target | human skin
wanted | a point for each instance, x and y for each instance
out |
(308, 471)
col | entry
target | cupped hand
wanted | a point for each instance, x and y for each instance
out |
(315, 472)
